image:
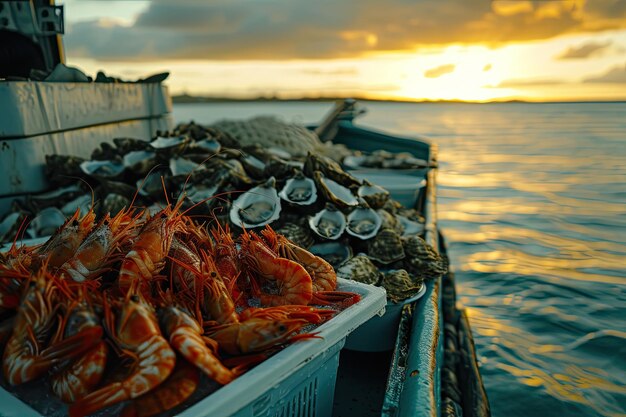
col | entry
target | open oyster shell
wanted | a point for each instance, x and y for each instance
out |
(334, 192)
(363, 222)
(256, 207)
(375, 196)
(299, 190)
(329, 223)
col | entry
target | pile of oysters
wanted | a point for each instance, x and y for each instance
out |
(309, 198)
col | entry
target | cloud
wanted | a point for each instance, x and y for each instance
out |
(615, 75)
(584, 51)
(533, 82)
(439, 71)
(287, 29)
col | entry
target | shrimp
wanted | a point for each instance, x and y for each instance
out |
(64, 243)
(213, 300)
(80, 377)
(322, 274)
(310, 314)
(94, 255)
(180, 385)
(146, 257)
(294, 282)
(185, 335)
(136, 332)
(25, 357)
(256, 334)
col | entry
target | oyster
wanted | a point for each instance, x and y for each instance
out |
(83, 202)
(53, 198)
(421, 259)
(103, 169)
(151, 186)
(114, 203)
(335, 253)
(170, 145)
(207, 145)
(256, 207)
(299, 235)
(329, 223)
(363, 222)
(333, 192)
(253, 166)
(140, 162)
(10, 225)
(374, 195)
(386, 247)
(359, 268)
(330, 169)
(183, 166)
(199, 192)
(389, 221)
(281, 168)
(47, 222)
(126, 145)
(410, 227)
(400, 285)
(299, 190)
(61, 168)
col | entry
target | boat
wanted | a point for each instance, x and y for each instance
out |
(427, 369)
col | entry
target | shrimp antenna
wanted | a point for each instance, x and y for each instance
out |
(143, 182)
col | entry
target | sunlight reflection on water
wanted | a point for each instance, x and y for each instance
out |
(532, 201)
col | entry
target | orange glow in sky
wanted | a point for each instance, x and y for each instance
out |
(429, 50)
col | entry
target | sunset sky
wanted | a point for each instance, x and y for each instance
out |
(474, 50)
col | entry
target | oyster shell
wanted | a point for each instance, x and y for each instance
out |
(10, 225)
(363, 222)
(170, 145)
(329, 223)
(410, 227)
(139, 162)
(386, 247)
(359, 268)
(334, 192)
(281, 168)
(83, 202)
(390, 221)
(256, 207)
(126, 145)
(46, 222)
(103, 169)
(61, 168)
(421, 259)
(375, 196)
(151, 186)
(207, 145)
(299, 190)
(114, 203)
(299, 235)
(335, 253)
(400, 285)
(183, 167)
(56, 197)
(330, 169)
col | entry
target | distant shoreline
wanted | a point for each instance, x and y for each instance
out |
(189, 99)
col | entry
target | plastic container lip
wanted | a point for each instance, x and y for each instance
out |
(243, 391)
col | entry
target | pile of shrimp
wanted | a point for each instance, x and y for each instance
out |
(133, 308)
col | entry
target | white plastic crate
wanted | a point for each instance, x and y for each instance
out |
(299, 381)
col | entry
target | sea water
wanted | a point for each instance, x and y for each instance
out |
(532, 202)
